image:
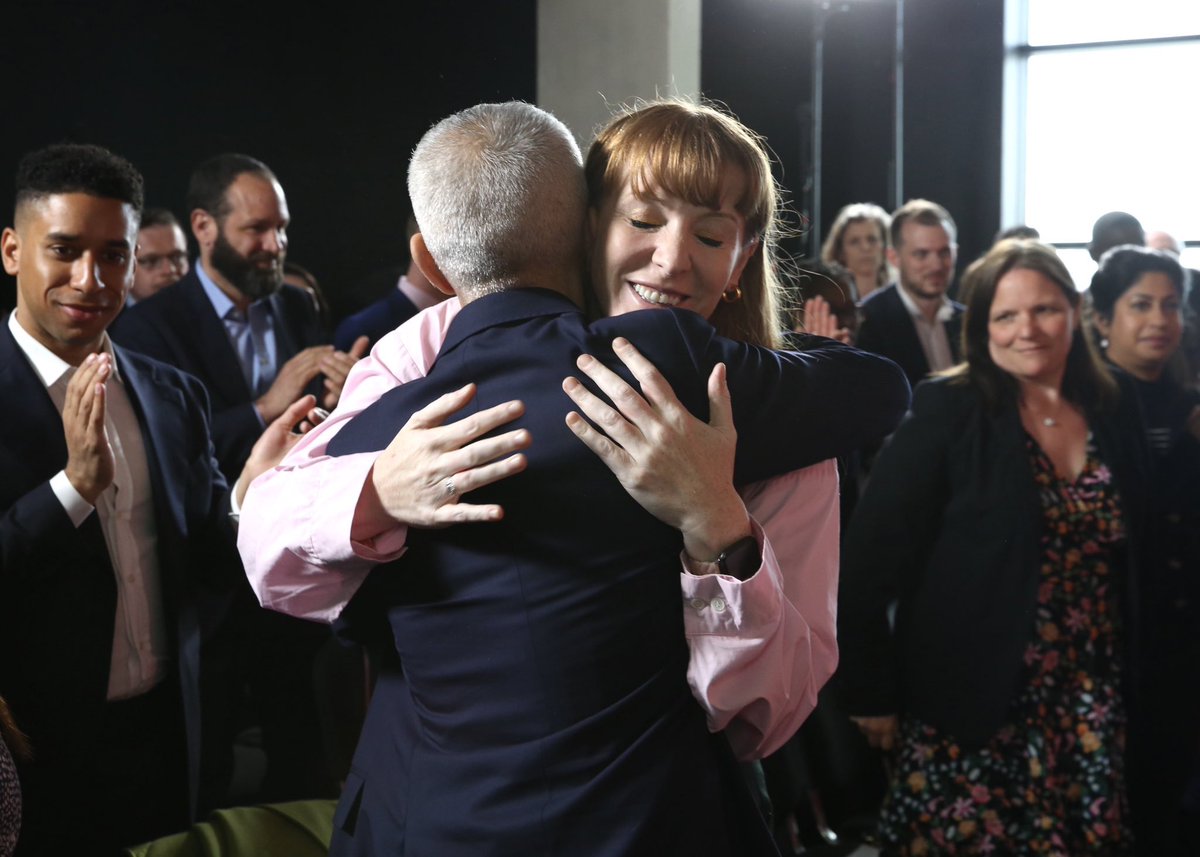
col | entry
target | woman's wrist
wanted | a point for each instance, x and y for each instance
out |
(721, 523)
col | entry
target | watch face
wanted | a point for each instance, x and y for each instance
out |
(741, 559)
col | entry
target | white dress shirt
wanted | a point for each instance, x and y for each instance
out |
(932, 334)
(126, 510)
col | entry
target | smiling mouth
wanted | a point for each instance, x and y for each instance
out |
(654, 296)
(83, 312)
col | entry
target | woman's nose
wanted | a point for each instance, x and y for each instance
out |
(671, 252)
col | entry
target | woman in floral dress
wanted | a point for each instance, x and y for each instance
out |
(1003, 522)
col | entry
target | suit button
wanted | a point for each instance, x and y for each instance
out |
(718, 605)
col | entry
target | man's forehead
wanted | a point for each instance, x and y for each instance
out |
(167, 233)
(254, 192)
(926, 234)
(78, 213)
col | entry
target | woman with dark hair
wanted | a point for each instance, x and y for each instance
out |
(12, 743)
(1137, 297)
(1003, 521)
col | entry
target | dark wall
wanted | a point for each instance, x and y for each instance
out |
(333, 101)
(757, 58)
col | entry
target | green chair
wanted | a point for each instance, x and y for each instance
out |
(294, 829)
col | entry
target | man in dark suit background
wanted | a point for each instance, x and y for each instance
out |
(408, 294)
(543, 705)
(256, 344)
(912, 321)
(116, 560)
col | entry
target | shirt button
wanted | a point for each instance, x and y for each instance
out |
(697, 603)
(718, 605)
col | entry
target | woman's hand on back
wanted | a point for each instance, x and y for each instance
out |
(677, 467)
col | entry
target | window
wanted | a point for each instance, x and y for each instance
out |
(1099, 117)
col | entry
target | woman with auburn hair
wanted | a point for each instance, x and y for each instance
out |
(858, 241)
(1004, 519)
(682, 214)
(658, 159)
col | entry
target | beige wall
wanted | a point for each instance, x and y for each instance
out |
(596, 53)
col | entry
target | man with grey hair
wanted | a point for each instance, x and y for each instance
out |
(522, 213)
(543, 704)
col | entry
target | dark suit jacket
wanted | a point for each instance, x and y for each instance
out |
(543, 706)
(950, 526)
(888, 329)
(179, 327)
(57, 590)
(379, 318)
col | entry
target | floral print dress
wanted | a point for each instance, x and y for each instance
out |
(1051, 781)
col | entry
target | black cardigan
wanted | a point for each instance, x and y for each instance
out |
(949, 528)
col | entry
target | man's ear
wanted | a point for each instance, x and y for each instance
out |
(204, 228)
(10, 247)
(893, 257)
(425, 261)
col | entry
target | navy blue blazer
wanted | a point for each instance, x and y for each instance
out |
(949, 527)
(888, 329)
(543, 706)
(179, 327)
(57, 590)
(375, 320)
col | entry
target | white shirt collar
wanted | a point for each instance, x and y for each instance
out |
(220, 301)
(945, 310)
(48, 365)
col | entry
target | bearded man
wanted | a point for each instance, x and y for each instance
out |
(257, 345)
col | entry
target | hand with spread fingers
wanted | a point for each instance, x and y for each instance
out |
(820, 319)
(278, 439)
(420, 477)
(90, 464)
(677, 467)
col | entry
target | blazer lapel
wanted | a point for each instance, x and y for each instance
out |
(160, 409)
(286, 346)
(34, 425)
(221, 371)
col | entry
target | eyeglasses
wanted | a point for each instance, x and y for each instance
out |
(153, 261)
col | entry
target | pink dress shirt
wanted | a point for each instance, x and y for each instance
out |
(760, 648)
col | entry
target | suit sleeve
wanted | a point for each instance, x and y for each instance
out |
(762, 648)
(888, 542)
(234, 429)
(795, 409)
(34, 530)
(294, 533)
